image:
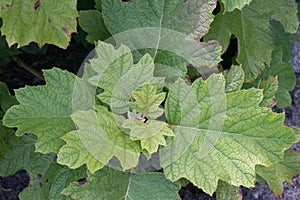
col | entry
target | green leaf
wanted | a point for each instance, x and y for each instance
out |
(6, 100)
(286, 78)
(234, 78)
(161, 28)
(122, 78)
(284, 41)
(74, 154)
(230, 5)
(44, 22)
(151, 134)
(44, 110)
(99, 139)
(226, 191)
(227, 129)
(6, 52)
(269, 86)
(254, 49)
(111, 184)
(91, 22)
(191, 17)
(47, 178)
(148, 102)
(281, 171)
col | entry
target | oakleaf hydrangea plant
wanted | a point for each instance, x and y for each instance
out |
(134, 123)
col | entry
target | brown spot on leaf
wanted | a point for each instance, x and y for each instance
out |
(49, 20)
(39, 176)
(41, 184)
(36, 5)
(64, 29)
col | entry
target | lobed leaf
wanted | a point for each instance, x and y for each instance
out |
(44, 110)
(228, 129)
(41, 21)
(99, 139)
(110, 184)
(161, 28)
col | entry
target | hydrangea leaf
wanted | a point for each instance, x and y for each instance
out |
(110, 184)
(191, 17)
(44, 110)
(148, 102)
(226, 191)
(283, 40)
(6, 100)
(227, 131)
(74, 154)
(47, 178)
(230, 5)
(100, 139)
(151, 133)
(284, 170)
(91, 22)
(234, 78)
(122, 78)
(41, 21)
(286, 78)
(166, 26)
(254, 49)
(269, 86)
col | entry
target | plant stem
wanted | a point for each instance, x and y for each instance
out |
(22, 64)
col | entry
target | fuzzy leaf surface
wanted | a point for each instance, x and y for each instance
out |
(228, 129)
(41, 21)
(110, 184)
(151, 134)
(44, 110)
(99, 138)
(159, 27)
(284, 170)
(254, 49)
(148, 102)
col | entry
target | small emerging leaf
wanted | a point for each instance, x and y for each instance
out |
(148, 102)
(151, 134)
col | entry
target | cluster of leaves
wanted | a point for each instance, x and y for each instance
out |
(133, 111)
